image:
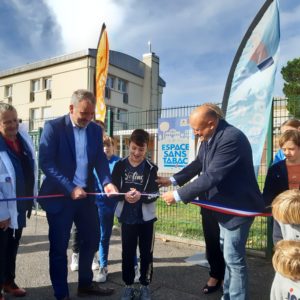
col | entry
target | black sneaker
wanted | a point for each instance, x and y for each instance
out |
(94, 289)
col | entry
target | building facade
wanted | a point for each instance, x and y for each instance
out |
(42, 90)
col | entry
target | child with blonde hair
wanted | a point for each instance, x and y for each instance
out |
(286, 211)
(286, 262)
(106, 210)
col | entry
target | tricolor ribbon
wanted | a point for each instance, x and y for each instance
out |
(62, 195)
(229, 211)
(204, 204)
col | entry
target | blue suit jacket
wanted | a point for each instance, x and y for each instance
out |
(229, 177)
(57, 159)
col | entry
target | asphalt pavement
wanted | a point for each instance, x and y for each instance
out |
(173, 277)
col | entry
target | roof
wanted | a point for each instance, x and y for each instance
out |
(117, 59)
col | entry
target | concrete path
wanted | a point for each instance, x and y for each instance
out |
(173, 278)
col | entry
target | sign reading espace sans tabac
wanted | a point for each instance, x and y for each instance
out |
(175, 144)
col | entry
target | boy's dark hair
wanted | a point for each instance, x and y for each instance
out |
(139, 137)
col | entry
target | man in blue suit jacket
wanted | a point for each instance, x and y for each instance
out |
(70, 149)
(226, 177)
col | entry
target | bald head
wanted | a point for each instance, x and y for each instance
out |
(209, 110)
(205, 119)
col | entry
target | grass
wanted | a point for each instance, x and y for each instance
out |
(185, 221)
(261, 181)
(180, 220)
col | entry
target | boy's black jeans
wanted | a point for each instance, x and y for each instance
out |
(133, 235)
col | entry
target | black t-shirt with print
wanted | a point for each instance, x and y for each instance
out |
(133, 177)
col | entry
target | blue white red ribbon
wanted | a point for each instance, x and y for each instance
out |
(204, 204)
(151, 195)
(229, 211)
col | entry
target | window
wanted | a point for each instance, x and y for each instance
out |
(122, 86)
(107, 92)
(46, 113)
(47, 83)
(35, 117)
(121, 115)
(48, 94)
(35, 85)
(110, 82)
(8, 91)
(125, 98)
(31, 97)
(35, 114)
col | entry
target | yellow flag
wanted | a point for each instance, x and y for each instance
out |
(102, 62)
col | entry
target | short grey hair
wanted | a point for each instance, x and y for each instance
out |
(214, 110)
(82, 94)
(4, 107)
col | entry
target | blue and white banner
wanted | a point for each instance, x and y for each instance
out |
(176, 144)
(247, 100)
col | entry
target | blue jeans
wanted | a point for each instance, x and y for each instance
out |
(233, 243)
(106, 219)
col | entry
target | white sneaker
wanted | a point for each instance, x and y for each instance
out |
(95, 264)
(102, 275)
(137, 274)
(74, 262)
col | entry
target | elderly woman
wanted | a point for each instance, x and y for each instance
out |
(17, 179)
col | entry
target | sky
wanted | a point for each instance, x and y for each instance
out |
(196, 40)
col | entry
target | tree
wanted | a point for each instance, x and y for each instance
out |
(291, 89)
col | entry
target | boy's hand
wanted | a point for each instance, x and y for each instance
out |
(132, 196)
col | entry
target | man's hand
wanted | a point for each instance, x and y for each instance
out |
(111, 190)
(4, 224)
(168, 197)
(132, 196)
(78, 193)
(163, 181)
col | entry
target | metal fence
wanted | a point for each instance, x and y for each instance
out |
(180, 220)
(185, 220)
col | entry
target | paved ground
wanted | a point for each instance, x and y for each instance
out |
(173, 277)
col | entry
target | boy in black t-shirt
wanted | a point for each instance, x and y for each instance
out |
(135, 176)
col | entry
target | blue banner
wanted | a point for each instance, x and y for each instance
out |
(175, 144)
(247, 100)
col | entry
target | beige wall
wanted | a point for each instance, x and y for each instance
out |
(65, 77)
(134, 89)
(68, 75)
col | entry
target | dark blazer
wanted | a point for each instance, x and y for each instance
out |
(228, 176)
(276, 182)
(57, 160)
